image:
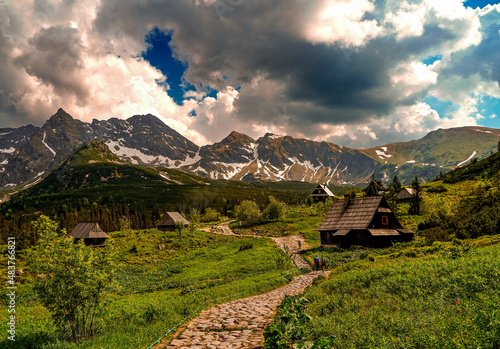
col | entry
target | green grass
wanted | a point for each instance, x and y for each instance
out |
(410, 296)
(153, 296)
(298, 220)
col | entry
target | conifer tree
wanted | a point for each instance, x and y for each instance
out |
(416, 197)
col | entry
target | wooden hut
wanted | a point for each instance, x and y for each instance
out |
(90, 232)
(364, 221)
(321, 193)
(406, 194)
(375, 186)
(167, 222)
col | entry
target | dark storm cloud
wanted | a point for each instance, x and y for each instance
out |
(54, 57)
(317, 82)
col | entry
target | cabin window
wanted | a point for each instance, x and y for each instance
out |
(385, 220)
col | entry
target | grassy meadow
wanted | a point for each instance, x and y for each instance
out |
(409, 296)
(156, 289)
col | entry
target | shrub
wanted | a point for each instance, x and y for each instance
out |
(246, 246)
(211, 215)
(275, 210)
(179, 225)
(248, 212)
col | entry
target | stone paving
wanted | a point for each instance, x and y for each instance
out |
(241, 323)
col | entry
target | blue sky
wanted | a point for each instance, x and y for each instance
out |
(358, 73)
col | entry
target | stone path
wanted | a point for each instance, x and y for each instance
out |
(241, 323)
(222, 229)
(293, 246)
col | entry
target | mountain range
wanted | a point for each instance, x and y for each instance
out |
(29, 153)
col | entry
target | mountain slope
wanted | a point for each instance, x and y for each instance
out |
(141, 139)
(439, 151)
(145, 140)
(50, 145)
(12, 139)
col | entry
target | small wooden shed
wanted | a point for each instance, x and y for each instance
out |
(406, 194)
(91, 233)
(321, 193)
(167, 222)
(365, 221)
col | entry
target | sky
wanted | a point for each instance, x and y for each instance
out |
(358, 73)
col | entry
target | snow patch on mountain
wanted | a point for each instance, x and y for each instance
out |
(134, 155)
(189, 160)
(49, 148)
(382, 154)
(470, 157)
(8, 151)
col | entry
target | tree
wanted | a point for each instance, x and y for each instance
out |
(248, 212)
(76, 278)
(416, 197)
(396, 184)
(322, 208)
(211, 215)
(275, 210)
(394, 189)
(194, 218)
(179, 225)
(125, 225)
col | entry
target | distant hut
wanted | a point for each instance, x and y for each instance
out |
(90, 232)
(375, 187)
(364, 221)
(406, 194)
(321, 193)
(167, 222)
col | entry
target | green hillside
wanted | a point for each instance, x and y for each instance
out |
(442, 296)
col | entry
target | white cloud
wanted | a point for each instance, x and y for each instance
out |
(341, 21)
(413, 77)
(408, 20)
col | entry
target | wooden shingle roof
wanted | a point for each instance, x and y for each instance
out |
(357, 215)
(328, 192)
(170, 218)
(87, 230)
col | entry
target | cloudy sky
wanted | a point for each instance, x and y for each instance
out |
(354, 72)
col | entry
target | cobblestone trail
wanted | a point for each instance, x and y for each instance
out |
(293, 246)
(239, 323)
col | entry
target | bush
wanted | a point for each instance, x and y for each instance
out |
(211, 215)
(194, 218)
(248, 212)
(247, 246)
(179, 225)
(275, 210)
(437, 189)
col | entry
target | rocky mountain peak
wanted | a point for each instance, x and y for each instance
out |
(235, 136)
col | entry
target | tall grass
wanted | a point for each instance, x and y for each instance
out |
(448, 298)
(152, 298)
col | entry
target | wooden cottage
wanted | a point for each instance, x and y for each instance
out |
(375, 186)
(90, 232)
(167, 222)
(406, 194)
(321, 193)
(364, 221)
